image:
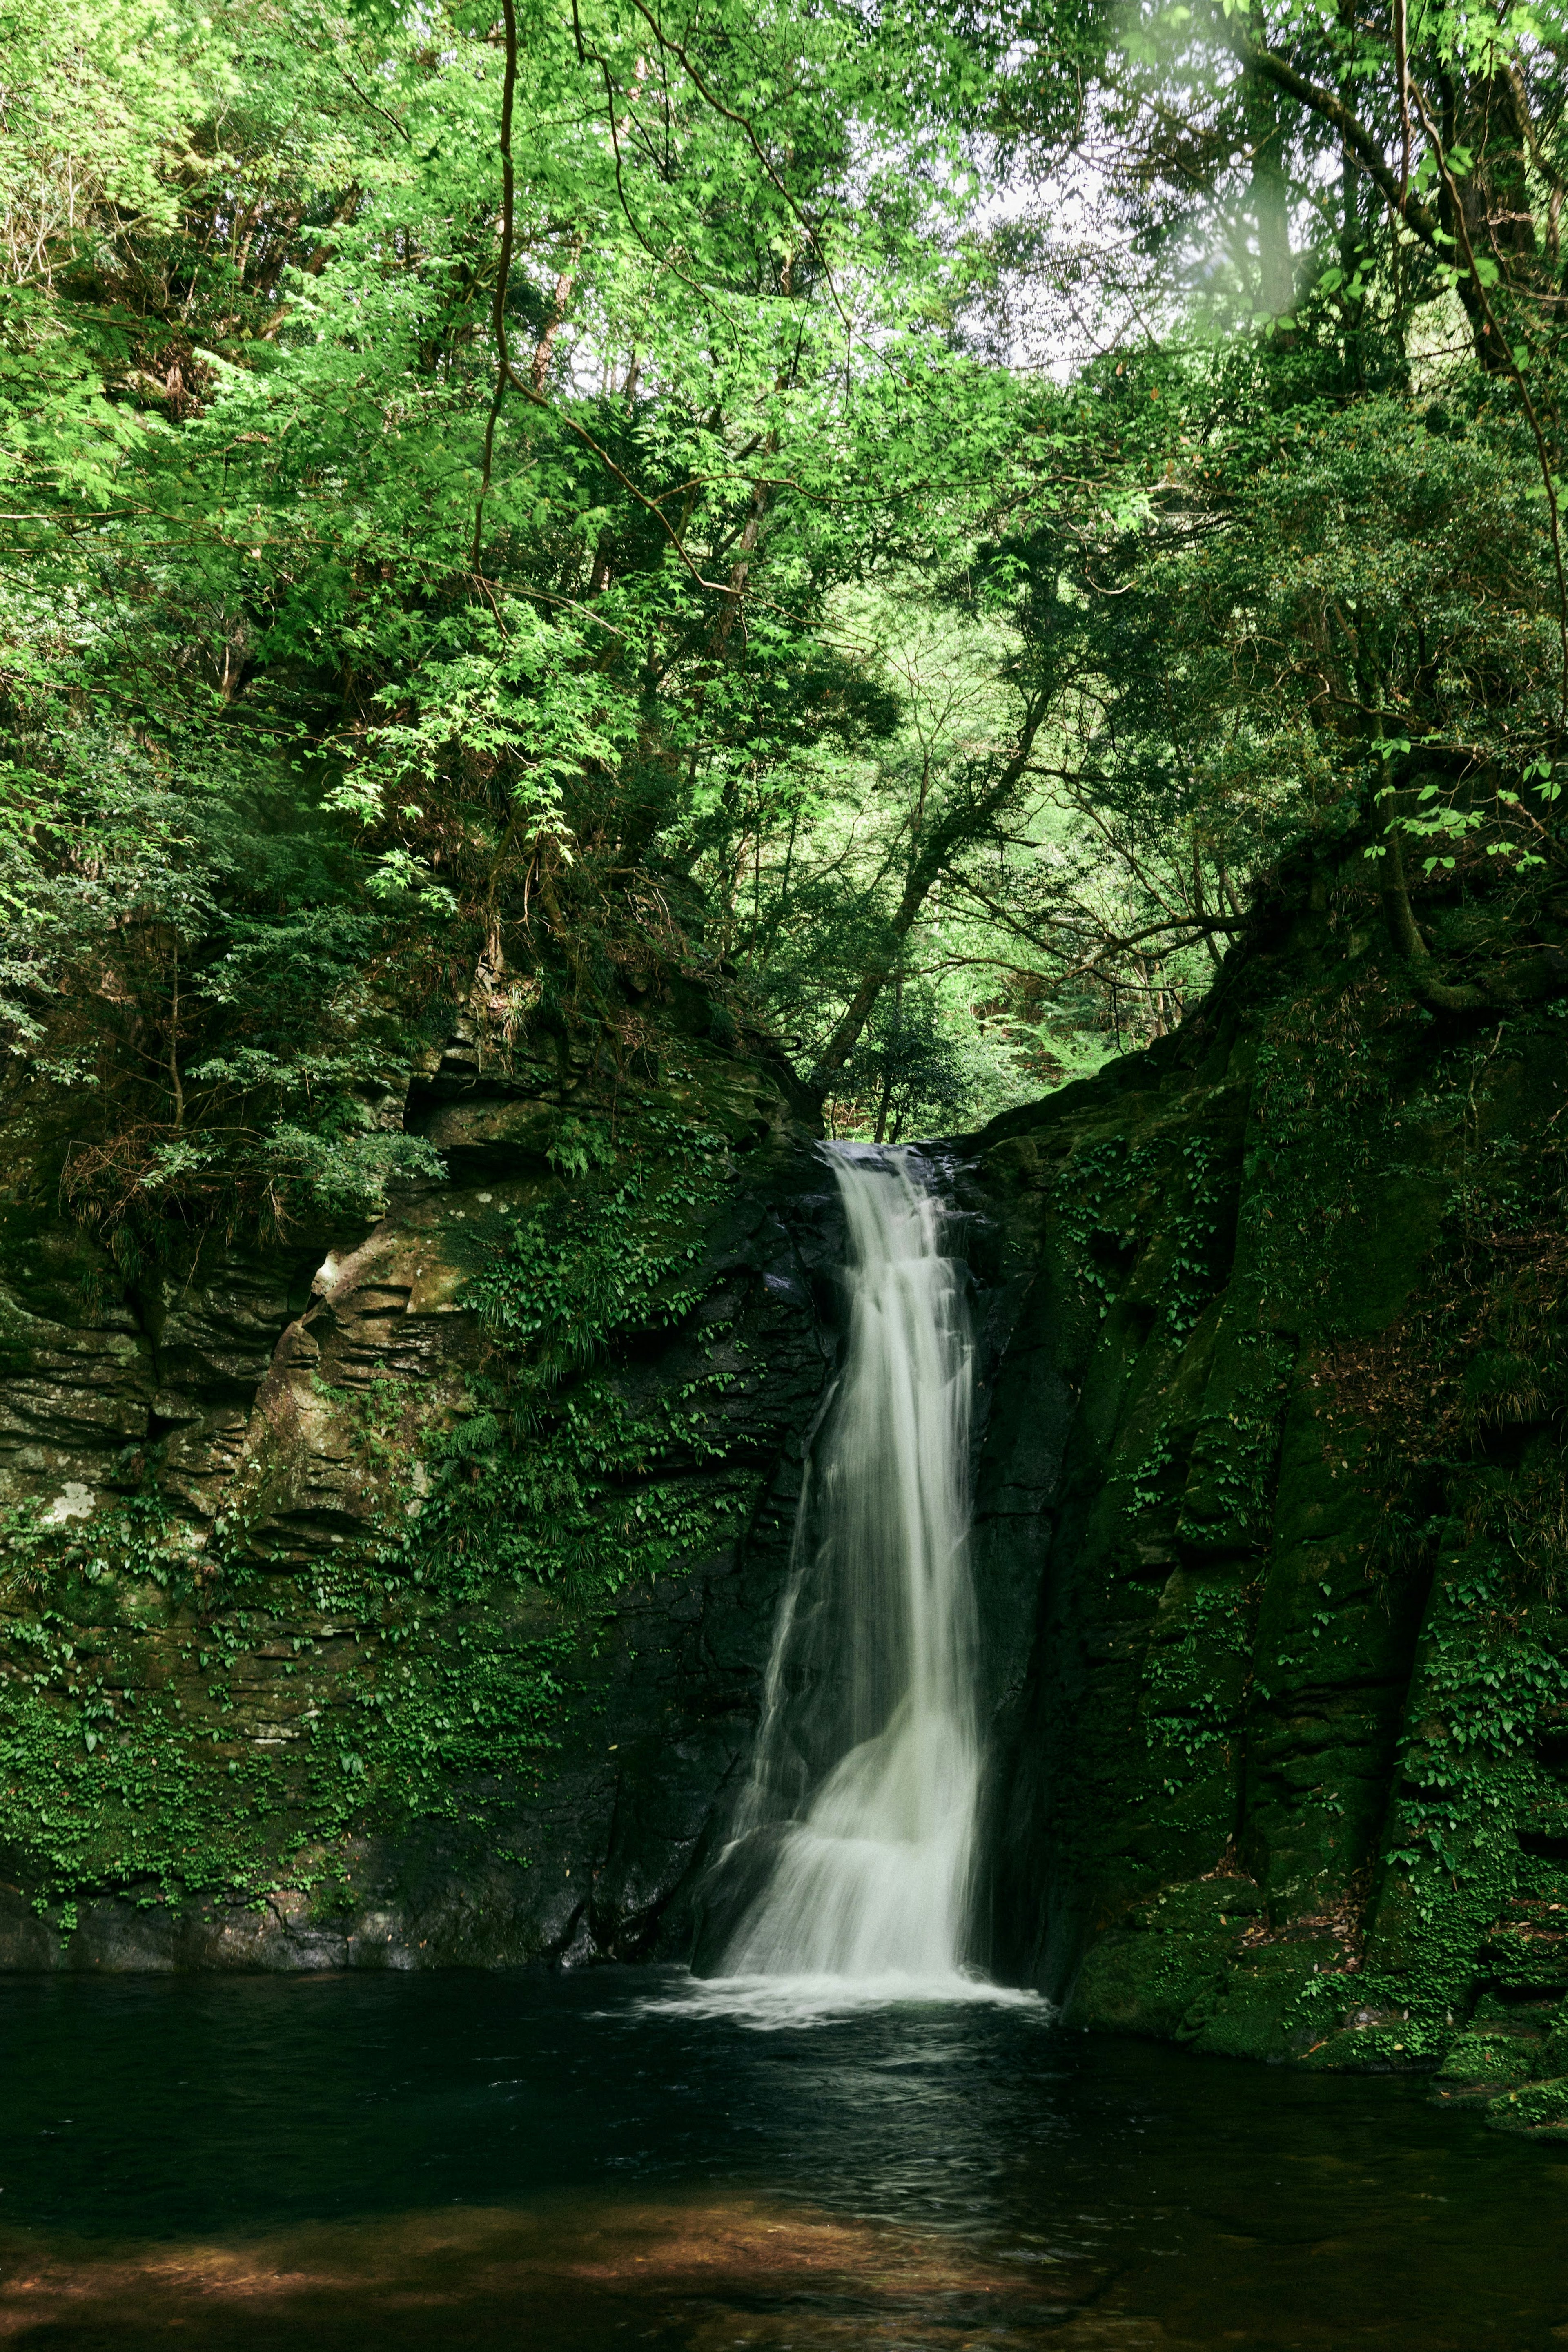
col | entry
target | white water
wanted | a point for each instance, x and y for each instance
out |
(869, 1894)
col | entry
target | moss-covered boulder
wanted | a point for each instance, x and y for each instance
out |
(1541, 2107)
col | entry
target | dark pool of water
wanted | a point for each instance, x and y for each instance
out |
(540, 2162)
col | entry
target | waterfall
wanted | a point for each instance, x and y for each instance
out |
(865, 1781)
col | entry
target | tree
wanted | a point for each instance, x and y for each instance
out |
(486, 491)
(430, 452)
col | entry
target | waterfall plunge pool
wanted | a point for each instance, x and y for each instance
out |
(837, 2136)
(573, 2163)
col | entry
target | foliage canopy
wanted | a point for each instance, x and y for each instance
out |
(900, 522)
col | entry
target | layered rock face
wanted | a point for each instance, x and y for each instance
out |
(1278, 1439)
(309, 1655)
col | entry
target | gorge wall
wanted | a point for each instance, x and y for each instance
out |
(351, 1617)
(1278, 1440)
(333, 1630)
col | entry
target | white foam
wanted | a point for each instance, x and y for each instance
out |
(769, 2003)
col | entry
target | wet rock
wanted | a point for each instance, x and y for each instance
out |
(206, 1651)
(737, 1879)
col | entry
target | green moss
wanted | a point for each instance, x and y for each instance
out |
(1308, 1568)
(189, 1713)
(560, 1471)
(1260, 2011)
(1132, 1983)
(128, 1749)
(1543, 2106)
(1498, 2060)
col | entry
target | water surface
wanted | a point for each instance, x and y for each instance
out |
(589, 2162)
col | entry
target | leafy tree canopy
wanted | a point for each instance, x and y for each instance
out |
(901, 519)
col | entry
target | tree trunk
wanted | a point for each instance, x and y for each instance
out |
(950, 832)
(1271, 199)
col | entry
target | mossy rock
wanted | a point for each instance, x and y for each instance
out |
(1200, 1906)
(1543, 2106)
(1496, 2060)
(1281, 1618)
(1258, 2012)
(1134, 1982)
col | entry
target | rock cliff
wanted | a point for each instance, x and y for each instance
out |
(341, 1620)
(402, 1597)
(1277, 1441)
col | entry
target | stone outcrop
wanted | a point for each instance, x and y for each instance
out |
(245, 1719)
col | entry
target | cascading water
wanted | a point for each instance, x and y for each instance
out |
(867, 1765)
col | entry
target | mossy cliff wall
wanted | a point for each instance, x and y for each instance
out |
(400, 1597)
(1278, 1439)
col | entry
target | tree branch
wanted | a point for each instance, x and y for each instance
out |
(1329, 108)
